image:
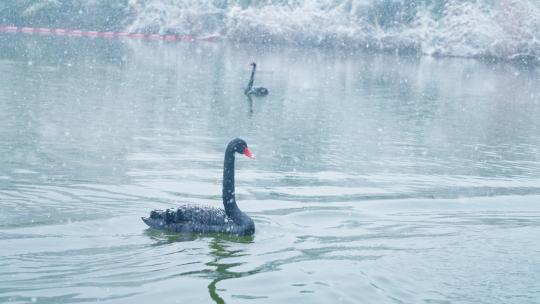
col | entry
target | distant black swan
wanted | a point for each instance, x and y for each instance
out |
(250, 90)
(191, 218)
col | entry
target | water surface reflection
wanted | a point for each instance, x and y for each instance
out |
(378, 178)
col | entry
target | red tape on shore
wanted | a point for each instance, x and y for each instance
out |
(79, 33)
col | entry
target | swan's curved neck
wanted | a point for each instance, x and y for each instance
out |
(229, 199)
(252, 78)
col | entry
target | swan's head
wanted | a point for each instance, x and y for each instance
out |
(253, 64)
(240, 146)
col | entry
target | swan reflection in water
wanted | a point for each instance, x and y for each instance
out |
(220, 251)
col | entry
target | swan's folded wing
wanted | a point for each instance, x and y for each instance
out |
(201, 214)
(186, 214)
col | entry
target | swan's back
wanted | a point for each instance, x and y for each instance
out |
(259, 91)
(199, 219)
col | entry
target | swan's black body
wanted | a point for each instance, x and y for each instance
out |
(201, 219)
(250, 90)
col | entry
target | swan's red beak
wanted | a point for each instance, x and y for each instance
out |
(248, 153)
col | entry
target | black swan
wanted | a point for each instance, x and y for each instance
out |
(250, 90)
(203, 219)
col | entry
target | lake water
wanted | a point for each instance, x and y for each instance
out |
(378, 178)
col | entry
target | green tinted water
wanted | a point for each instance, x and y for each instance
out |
(377, 179)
